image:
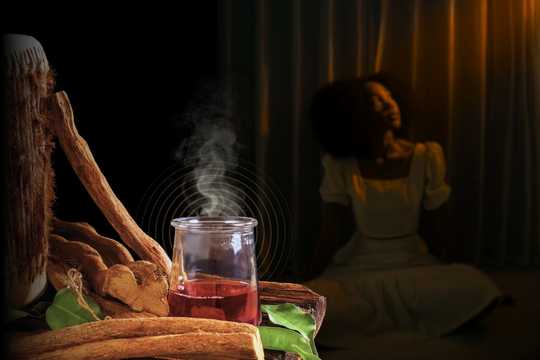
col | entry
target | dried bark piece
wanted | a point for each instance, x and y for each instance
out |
(86, 168)
(81, 256)
(153, 287)
(112, 252)
(117, 310)
(278, 293)
(119, 281)
(30, 180)
(193, 346)
(56, 274)
(196, 339)
(149, 294)
(143, 271)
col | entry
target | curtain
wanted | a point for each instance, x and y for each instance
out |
(474, 67)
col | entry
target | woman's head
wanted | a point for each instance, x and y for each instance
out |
(382, 105)
(348, 114)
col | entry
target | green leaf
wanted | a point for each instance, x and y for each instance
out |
(65, 310)
(14, 314)
(294, 318)
(281, 339)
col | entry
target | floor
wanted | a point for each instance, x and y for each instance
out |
(510, 332)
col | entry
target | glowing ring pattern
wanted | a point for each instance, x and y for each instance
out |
(174, 194)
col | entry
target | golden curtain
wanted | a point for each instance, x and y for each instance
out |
(474, 66)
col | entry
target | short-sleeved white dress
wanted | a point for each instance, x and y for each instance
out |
(384, 279)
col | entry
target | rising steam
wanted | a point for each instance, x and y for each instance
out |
(211, 151)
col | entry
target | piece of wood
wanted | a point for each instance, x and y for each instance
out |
(30, 177)
(278, 293)
(117, 310)
(57, 273)
(221, 337)
(149, 293)
(86, 168)
(152, 288)
(142, 289)
(81, 256)
(112, 252)
(192, 346)
(57, 276)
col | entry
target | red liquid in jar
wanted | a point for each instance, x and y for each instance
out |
(216, 299)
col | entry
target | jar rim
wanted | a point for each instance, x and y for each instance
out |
(213, 223)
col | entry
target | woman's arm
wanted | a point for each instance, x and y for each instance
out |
(336, 227)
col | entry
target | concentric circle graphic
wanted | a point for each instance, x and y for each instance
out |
(241, 191)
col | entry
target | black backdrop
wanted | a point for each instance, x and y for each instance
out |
(130, 74)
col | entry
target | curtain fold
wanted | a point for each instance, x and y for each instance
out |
(474, 67)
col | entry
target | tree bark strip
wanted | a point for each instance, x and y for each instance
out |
(30, 177)
(112, 252)
(278, 293)
(132, 329)
(188, 346)
(86, 168)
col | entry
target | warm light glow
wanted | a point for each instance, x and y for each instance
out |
(330, 36)
(451, 85)
(359, 37)
(483, 105)
(415, 32)
(382, 35)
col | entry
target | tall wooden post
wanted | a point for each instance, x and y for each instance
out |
(30, 176)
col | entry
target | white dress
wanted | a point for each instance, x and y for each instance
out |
(384, 279)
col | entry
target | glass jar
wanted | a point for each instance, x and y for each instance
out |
(214, 274)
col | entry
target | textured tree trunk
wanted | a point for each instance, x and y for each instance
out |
(30, 178)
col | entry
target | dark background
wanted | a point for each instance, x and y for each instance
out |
(130, 75)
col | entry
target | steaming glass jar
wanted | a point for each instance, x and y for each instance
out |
(214, 274)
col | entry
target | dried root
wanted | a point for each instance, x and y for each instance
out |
(138, 285)
(82, 161)
(112, 252)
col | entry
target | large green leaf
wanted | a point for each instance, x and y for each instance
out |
(278, 338)
(65, 310)
(294, 318)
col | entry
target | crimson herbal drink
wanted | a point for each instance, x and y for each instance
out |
(216, 299)
(214, 273)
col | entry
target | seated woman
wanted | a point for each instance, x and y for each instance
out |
(384, 278)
